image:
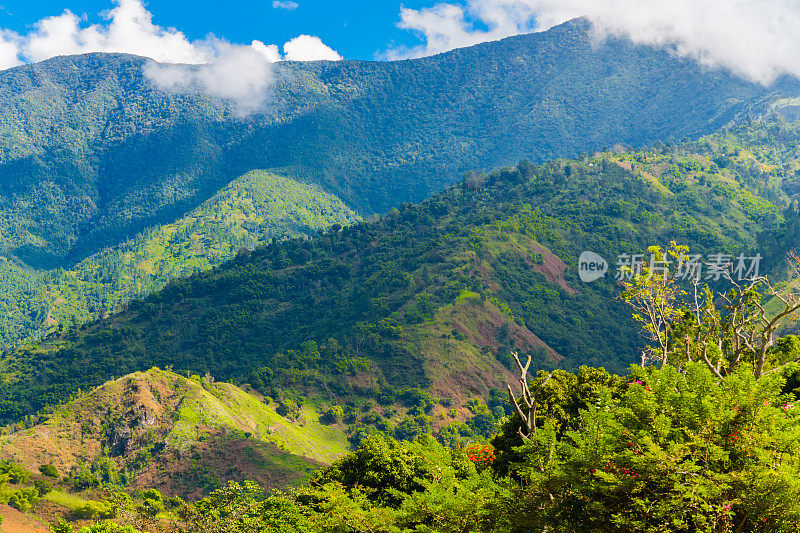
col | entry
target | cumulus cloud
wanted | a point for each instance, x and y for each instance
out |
(446, 26)
(130, 29)
(309, 48)
(240, 74)
(9, 51)
(285, 4)
(235, 72)
(269, 51)
(757, 39)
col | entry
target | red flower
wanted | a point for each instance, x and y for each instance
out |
(481, 455)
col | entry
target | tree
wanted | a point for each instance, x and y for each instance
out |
(243, 508)
(724, 330)
(703, 440)
(672, 451)
(49, 470)
(525, 406)
(655, 299)
(334, 414)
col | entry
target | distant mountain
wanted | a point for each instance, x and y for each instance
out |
(91, 153)
(435, 295)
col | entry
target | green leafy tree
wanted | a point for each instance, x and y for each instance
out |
(23, 499)
(243, 508)
(740, 330)
(49, 470)
(16, 474)
(677, 451)
(334, 414)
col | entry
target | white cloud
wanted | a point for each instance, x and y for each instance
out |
(239, 73)
(269, 51)
(130, 30)
(446, 26)
(9, 51)
(285, 4)
(757, 39)
(309, 48)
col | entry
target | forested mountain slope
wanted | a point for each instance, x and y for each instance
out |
(434, 295)
(252, 210)
(91, 153)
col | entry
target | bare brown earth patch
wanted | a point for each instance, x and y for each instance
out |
(16, 522)
(464, 370)
(364, 380)
(483, 270)
(488, 319)
(222, 458)
(552, 267)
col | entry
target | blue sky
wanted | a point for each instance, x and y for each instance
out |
(357, 29)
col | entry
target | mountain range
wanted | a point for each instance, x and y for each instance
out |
(94, 155)
(191, 296)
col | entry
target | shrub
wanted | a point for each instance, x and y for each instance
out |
(81, 478)
(49, 470)
(418, 398)
(42, 486)
(94, 509)
(174, 502)
(100, 527)
(15, 473)
(411, 427)
(23, 499)
(152, 502)
(286, 408)
(351, 415)
(334, 414)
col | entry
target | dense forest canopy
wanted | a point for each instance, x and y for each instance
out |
(254, 209)
(484, 268)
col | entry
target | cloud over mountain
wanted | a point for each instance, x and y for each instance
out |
(236, 72)
(309, 48)
(757, 39)
(129, 29)
(240, 74)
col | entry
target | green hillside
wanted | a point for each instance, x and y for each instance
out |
(182, 435)
(252, 210)
(434, 295)
(92, 153)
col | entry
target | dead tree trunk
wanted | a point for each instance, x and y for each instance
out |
(525, 406)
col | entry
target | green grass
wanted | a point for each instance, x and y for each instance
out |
(65, 499)
(225, 405)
